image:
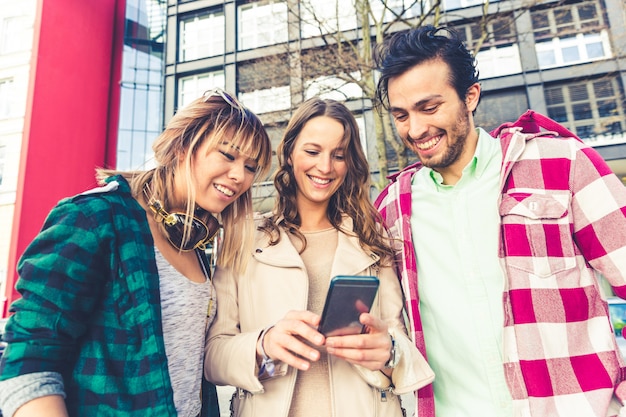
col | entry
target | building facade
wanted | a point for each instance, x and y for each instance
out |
(16, 37)
(72, 98)
(561, 58)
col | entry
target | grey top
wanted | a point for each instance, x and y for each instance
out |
(188, 309)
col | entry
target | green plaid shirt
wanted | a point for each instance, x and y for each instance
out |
(90, 308)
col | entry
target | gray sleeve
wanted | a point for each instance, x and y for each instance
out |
(17, 391)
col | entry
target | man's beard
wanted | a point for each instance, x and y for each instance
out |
(456, 138)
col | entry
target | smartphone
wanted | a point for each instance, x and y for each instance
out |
(348, 296)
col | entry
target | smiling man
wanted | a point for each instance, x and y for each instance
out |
(502, 242)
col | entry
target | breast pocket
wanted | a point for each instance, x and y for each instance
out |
(537, 232)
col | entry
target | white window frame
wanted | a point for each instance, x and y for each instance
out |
(556, 46)
(193, 86)
(498, 61)
(261, 24)
(202, 36)
(267, 100)
(331, 87)
(16, 34)
(408, 8)
(3, 157)
(464, 3)
(321, 17)
(8, 105)
(360, 121)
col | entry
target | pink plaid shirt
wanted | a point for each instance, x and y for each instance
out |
(563, 217)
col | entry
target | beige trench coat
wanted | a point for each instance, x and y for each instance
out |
(275, 283)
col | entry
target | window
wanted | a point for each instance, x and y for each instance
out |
(264, 84)
(498, 53)
(321, 17)
(141, 94)
(201, 36)
(496, 62)
(591, 108)
(7, 98)
(322, 78)
(16, 34)
(567, 20)
(3, 155)
(390, 10)
(570, 34)
(261, 24)
(331, 87)
(459, 4)
(499, 31)
(360, 121)
(192, 87)
(500, 105)
(573, 50)
(267, 100)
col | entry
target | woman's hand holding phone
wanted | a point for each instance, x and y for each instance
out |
(285, 341)
(370, 349)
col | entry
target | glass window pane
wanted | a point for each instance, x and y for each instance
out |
(563, 16)
(320, 17)
(614, 128)
(558, 113)
(124, 142)
(578, 92)
(452, 4)
(2, 161)
(462, 30)
(540, 20)
(595, 50)
(603, 88)
(554, 95)
(139, 110)
(582, 111)
(202, 36)
(607, 108)
(190, 88)
(504, 30)
(546, 58)
(267, 100)
(587, 11)
(584, 131)
(262, 24)
(570, 54)
(476, 32)
(6, 98)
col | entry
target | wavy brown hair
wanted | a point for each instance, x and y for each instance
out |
(214, 116)
(351, 199)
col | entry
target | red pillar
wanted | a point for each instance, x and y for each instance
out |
(71, 121)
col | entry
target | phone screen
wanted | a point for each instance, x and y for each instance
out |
(347, 298)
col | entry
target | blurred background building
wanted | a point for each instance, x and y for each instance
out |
(81, 86)
(86, 84)
(561, 58)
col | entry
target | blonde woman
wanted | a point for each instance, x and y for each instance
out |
(116, 288)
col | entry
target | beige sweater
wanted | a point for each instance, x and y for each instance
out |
(311, 395)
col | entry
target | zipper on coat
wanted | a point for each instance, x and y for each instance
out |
(383, 393)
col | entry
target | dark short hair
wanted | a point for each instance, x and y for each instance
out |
(404, 50)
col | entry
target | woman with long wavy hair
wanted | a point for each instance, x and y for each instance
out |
(265, 340)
